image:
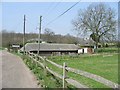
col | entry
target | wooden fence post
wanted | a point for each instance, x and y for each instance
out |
(64, 74)
(32, 57)
(44, 63)
(37, 57)
(45, 71)
(36, 60)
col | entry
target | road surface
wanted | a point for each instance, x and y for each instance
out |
(0, 70)
(15, 74)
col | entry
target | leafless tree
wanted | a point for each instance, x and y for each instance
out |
(98, 20)
(49, 35)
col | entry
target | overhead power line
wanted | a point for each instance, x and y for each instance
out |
(50, 10)
(62, 13)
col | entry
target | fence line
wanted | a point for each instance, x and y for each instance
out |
(68, 80)
(94, 77)
(88, 75)
(80, 72)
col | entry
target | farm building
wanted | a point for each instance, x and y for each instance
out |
(89, 43)
(87, 46)
(86, 50)
(14, 47)
(51, 48)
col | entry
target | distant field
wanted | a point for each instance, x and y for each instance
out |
(103, 65)
(108, 50)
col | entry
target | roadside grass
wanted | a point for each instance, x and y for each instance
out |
(1, 48)
(46, 80)
(103, 65)
(18, 54)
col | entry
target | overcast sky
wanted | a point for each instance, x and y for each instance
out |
(13, 12)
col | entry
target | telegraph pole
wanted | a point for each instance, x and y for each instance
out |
(39, 36)
(24, 35)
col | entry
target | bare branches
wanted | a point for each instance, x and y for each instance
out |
(97, 19)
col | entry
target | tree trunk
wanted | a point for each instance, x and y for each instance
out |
(96, 47)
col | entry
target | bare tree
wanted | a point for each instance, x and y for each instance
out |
(98, 20)
(49, 35)
(48, 31)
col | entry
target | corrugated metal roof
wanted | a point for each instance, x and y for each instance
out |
(50, 47)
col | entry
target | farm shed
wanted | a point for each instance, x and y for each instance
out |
(87, 46)
(87, 43)
(86, 50)
(14, 47)
(51, 48)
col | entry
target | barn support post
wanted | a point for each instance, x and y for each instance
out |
(64, 75)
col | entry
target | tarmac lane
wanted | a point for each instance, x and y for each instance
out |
(15, 74)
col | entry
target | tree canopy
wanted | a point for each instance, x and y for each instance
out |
(98, 21)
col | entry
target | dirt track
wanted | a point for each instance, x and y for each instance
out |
(15, 74)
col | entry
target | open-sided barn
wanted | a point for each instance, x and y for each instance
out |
(51, 48)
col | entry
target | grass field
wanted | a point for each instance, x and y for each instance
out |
(103, 65)
(108, 50)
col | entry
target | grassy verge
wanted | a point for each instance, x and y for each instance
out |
(46, 80)
(1, 48)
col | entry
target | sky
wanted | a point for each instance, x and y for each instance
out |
(13, 12)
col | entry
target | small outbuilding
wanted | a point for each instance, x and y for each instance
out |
(15, 47)
(87, 46)
(86, 50)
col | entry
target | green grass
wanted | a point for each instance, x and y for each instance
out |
(86, 81)
(47, 80)
(108, 50)
(105, 66)
(1, 48)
